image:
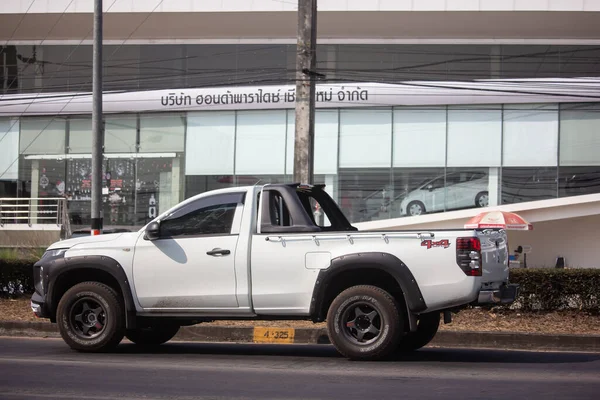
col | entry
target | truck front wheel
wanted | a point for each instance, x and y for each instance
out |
(364, 323)
(91, 318)
(152, 336)
(427, 328)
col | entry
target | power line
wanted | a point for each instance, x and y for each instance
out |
(10, 128)
(69, 101)
(50, 31)
(126, 81)
(475, 60)
(253, 78)
(371, 73)
(351, 49)
(19, 23)
(53, 75)
(483, 86)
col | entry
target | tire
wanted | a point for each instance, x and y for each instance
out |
(482, 199)
(152, 336)
(427, 328)
(376, 323)
(415, 208)
(91, 317)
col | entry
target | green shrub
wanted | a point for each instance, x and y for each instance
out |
(16, 277)
(552, 289)
(9, 254)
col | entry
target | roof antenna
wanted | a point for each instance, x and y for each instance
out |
(257, 182)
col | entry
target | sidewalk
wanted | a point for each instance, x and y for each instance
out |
(258, 334)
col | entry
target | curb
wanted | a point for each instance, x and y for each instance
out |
(273, 335)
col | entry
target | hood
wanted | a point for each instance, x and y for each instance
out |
(67, 244)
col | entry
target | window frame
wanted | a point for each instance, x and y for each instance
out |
(223, 199)
(307, 199)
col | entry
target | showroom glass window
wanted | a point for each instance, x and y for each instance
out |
(159, 177)
(579, 160)
(42, 149)
(419, 158)
(530, 147)
(365, 140)
(474, 156)
(9, 157)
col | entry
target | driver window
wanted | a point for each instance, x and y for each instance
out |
(209, 216)
(436, 184)
(455, 179)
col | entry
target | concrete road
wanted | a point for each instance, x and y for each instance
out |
(36, 369)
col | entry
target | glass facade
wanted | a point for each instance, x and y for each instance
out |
(377, 163)
(68, 68)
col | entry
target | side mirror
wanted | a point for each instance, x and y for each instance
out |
(153, 231)
(430, 188)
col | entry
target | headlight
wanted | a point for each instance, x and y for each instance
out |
(54, 253)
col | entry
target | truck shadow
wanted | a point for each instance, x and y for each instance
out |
(437, 355)
(233, 349)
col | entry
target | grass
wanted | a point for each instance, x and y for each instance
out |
(21, 253)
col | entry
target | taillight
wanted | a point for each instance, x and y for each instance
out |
(468, 255)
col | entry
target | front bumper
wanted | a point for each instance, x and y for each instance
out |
(38, 306)
(506, 294)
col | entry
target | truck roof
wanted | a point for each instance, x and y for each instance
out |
(231, 189)
(246, 188)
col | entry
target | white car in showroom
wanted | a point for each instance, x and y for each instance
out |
(464, 189)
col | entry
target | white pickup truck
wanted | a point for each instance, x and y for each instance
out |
(259, 253)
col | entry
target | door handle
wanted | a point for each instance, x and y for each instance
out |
(218, 252)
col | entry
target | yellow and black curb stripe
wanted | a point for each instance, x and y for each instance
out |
(273, 335)
(281, 335)
(257, 334)
(195, 333)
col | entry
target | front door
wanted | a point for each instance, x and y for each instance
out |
(191, 266)
(435, 195)
(452, 191)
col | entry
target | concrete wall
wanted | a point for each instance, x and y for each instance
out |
(144, 6)
(275, 21)
(576, 239)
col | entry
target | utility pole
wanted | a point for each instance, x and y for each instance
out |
(96, 228)
(305, 91)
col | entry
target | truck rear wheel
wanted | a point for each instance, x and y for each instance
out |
(364, 323)
(427, 328)
(152, 336)
(91, 318)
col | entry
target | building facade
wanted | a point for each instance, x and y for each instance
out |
(425, 106)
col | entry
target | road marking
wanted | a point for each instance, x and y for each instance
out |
(31, 394)
(332, 367)
(42, 360)
(274, 335)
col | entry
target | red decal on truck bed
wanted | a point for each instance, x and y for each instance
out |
(445, 243)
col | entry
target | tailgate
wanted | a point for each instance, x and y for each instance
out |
(494, 255)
